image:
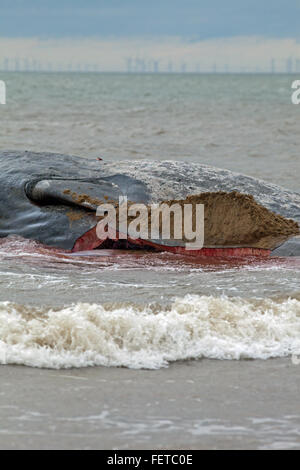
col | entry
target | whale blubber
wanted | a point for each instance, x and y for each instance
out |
(233, 219)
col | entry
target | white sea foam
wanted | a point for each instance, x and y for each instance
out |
(127, 335)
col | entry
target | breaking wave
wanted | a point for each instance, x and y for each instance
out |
(128, 335)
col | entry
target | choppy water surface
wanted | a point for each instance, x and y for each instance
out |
(245, 123)
(142, 309)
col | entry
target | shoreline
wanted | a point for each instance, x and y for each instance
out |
(205, 404)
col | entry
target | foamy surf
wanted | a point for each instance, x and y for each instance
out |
(193, 327)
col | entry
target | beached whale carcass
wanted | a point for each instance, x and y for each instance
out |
(52, 198)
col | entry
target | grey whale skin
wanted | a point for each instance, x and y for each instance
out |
(36, 188)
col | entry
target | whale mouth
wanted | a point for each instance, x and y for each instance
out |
(89, 242)
(234, 223)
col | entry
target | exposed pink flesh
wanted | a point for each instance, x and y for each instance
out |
(90, 241)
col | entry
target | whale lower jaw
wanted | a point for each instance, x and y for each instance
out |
(290, 248)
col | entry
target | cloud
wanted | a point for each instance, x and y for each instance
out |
(115, 54)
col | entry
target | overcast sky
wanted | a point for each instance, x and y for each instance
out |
(200, 19)
(234, 33)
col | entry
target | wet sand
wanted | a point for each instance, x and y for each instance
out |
(191, 405)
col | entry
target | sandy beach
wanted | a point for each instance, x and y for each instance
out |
(190, 405)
